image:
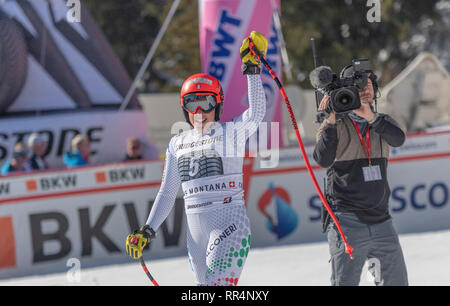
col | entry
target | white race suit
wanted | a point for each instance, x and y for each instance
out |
(208, 165)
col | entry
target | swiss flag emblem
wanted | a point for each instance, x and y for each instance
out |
(232, 184)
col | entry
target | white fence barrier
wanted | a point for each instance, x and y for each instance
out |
(47, 218)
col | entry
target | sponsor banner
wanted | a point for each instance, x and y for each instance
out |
(79, 180)
(416, 145)
(223, 26)
(288, 158)
(80, 216)
(42, 235)
(284, 206)
(107, 131)
(87, 213)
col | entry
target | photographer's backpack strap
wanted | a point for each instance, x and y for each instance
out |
(325, 218)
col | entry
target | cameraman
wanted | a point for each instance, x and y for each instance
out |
(355, 148)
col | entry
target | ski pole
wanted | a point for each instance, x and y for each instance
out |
(255, 52)
(147, 272)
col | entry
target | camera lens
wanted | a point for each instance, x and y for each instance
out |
(344, 97)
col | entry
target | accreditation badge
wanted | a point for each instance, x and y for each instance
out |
(372, 173)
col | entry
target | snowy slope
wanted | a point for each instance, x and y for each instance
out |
(426, 254)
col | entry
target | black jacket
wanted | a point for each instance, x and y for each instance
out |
(37, 163)
(339, 149)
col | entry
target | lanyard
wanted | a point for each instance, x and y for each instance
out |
(365, 146)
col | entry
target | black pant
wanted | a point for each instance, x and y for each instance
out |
(376, 243)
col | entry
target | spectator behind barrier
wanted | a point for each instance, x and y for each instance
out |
(134, 149)
(37, 145)
(18, 161)
(79, 155)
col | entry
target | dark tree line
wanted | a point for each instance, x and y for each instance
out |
(340, 27)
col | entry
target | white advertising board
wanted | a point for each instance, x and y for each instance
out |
(285, 196)
(46, 218)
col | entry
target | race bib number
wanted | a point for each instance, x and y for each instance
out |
(199, 164)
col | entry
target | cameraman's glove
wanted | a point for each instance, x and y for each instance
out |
(250, 63)
(137, 241)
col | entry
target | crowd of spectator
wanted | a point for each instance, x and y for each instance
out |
(30, 156)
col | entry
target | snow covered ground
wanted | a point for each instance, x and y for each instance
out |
(427, 257)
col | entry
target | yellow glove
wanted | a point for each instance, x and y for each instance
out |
(250, 62)
(137, 241)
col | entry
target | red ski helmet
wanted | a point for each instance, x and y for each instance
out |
(202, 85)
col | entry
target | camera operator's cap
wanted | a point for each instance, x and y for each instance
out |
(35, 138)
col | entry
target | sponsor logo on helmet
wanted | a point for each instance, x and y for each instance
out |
(199, 80)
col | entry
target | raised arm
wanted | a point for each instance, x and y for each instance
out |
(248, 122)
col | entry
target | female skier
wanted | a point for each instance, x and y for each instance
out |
(207, 162)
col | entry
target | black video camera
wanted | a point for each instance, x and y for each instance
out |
(343, 91)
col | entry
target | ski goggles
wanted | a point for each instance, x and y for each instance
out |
(206, 102)
(21, 153)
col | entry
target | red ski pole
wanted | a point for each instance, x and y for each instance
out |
(255, 52)
(147, 272)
